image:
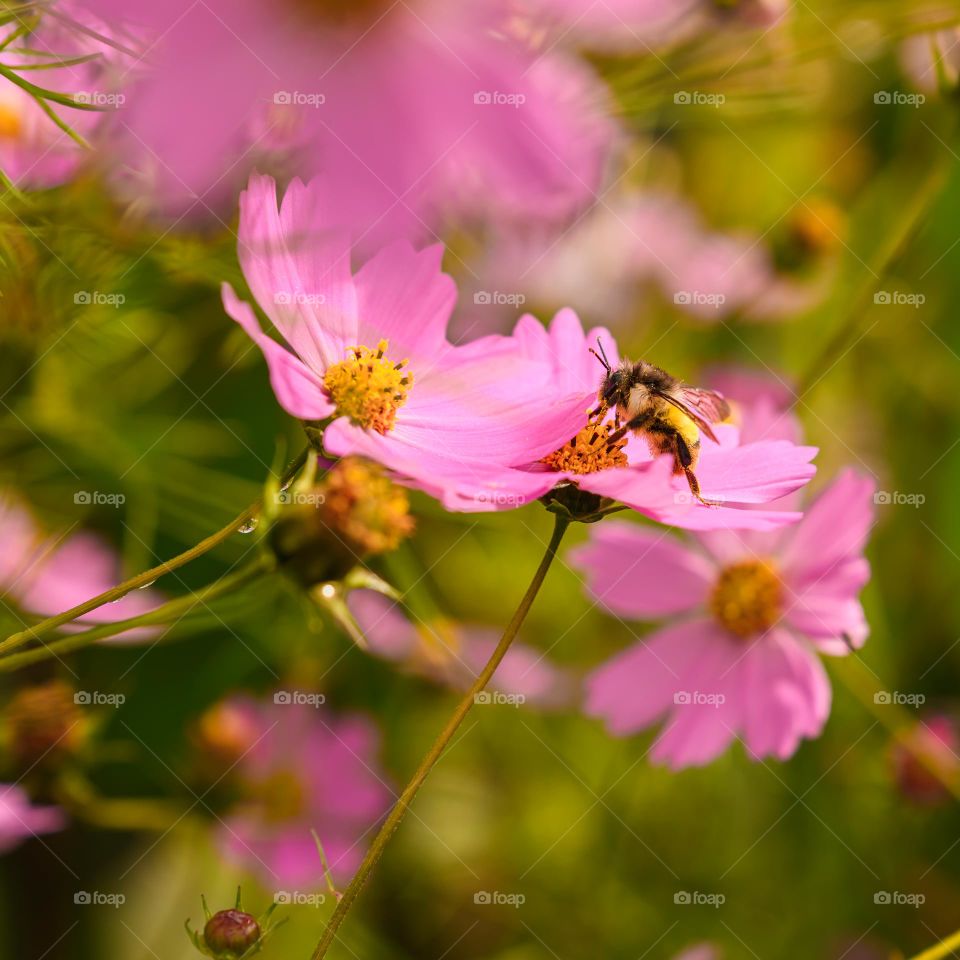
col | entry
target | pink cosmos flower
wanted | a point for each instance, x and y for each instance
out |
(371, 350)
(20, 820)
(446, 653)
(753, 613)
(405, 109)
(308, 769)
(44, 574)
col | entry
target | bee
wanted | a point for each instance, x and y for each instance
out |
(671, 415)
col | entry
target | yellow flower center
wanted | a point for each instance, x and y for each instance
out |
(341, 12)
(747, 598)
(589, 451)
(363, 505)
(11, 122)
(281, 796)
(368, 388)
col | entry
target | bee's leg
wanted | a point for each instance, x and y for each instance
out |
(685, 462)
(641, 422)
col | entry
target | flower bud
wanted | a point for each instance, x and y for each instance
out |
(221, 736)
(926, 762)
(354, 511)
(43, 722)
(231, 933)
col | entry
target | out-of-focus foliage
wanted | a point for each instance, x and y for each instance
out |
(120, 374)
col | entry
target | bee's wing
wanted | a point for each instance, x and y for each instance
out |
(702, 406)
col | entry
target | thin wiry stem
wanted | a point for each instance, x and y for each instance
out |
(148, 576)
(400, 808)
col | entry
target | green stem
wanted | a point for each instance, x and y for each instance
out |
(171, 611)
(405, 799)
(148, 576)
(943, 949)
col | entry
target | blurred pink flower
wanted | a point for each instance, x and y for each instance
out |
(633, 240)
(308, 769)
(34, 151)
(406, 110)
(47, 574)
(755, 611)
(454, 655)
(699, 951)
(20, 820)
(933, 743)
(931, 58)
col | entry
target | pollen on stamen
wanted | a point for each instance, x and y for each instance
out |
(747, 598)
(590, 451)
(369, 388)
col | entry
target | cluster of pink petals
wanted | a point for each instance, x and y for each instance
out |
(322, 771)
(19, 819)
(43, 574)
(771, 689)
(634, 240)
(456, 655)
(480, 417)
(406, 109)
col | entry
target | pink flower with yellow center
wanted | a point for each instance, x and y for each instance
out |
(749, 616)
(304, 769)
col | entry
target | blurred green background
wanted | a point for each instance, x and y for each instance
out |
(164, 400)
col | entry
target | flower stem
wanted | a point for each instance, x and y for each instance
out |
(173, 610)
(945, 948)
(148, 576)
(400, 808)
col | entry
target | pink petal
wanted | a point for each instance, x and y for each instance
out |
(298, 269)
(405, 298)
(699, 731)
(755, 472)
(298, 389)
(787, 695)
(639, 573)
(638, 685)
(835, 527)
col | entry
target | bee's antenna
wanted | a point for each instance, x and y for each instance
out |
(602, 356)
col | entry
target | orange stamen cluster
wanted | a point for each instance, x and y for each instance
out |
(368, 388)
